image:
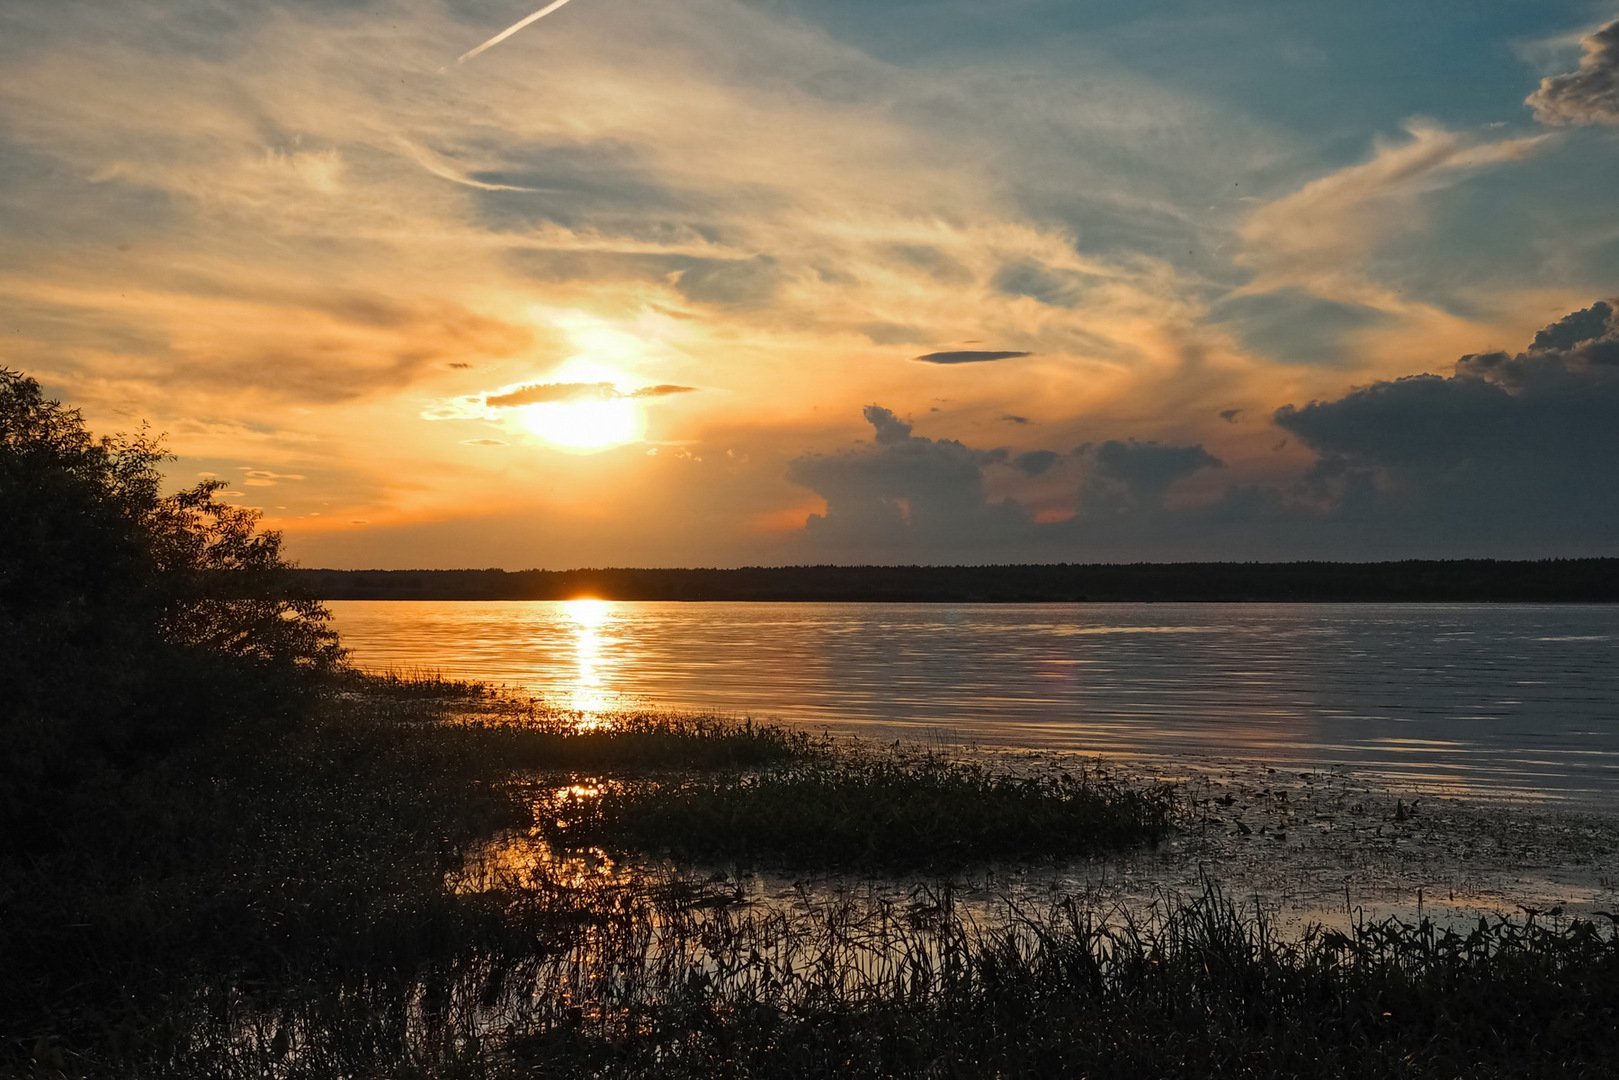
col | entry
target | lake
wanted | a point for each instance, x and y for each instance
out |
(1499, 700)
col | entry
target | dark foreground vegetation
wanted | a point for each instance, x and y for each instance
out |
(1548, 580)
(301, 906)
(224, 855)
(868, 814)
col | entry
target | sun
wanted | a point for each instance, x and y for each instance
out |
(585, 424)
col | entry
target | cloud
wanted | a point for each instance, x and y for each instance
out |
(1520, 448)
(908, 496)
(1320, 238)
(1572, 331)
(1230, 416)
(660, 390)
(970, 356)
(889, 428)
(1013, 418)
(1031, 278)
(545, 393)
(1589, 95)
(265, 478)
(884, 333)
(158, 259)
(1494, 407)
(904, 493)
(731, 283)
(1136, 476)
(1297, 326)
(933, 262)
(1035, 462)
(443, 168)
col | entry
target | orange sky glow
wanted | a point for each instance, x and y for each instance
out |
(721, 283)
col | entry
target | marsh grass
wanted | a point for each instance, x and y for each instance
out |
(281, 904)
(873, 814)
(290, 855)
(653, 982)
(532, 737)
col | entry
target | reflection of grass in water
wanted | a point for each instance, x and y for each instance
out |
(530, 735)
(281, 908)
(521, 733)
(667, 980)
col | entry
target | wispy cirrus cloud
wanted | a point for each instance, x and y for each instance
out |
(1320, 238)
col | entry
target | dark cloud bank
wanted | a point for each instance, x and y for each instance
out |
(1509, 455)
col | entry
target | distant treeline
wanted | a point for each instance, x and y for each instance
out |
(1561, 580)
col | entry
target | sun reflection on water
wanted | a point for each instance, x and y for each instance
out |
(589, 696)
(525, 859)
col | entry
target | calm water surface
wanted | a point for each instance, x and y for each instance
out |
(1493, 699)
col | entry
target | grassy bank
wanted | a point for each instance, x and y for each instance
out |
(279, 901)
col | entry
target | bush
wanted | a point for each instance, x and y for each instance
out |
(131, 622)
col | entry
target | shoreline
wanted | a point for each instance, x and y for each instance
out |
(400, 885)
(1324, 845)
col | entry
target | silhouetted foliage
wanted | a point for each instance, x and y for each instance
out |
(130, 621)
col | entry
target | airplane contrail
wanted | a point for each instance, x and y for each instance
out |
(510, 30)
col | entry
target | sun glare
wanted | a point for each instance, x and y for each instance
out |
(584, 426)
(587, 611)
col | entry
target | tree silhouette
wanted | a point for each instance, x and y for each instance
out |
(131, 621)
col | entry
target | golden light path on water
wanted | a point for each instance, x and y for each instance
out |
(1515, 700)
(1349, 854)
(589, 695)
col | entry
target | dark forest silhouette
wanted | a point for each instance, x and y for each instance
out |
(1551, 580)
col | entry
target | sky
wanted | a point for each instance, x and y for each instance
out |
(719, 283)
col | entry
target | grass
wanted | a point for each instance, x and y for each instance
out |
(1201, 989)
(279, 904)
(530, 737)
(522, 733)
(868, 814)
(289, 856)
(641, 984)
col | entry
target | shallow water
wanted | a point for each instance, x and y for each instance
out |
(1500, 700)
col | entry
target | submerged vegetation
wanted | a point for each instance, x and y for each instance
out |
(223, 854)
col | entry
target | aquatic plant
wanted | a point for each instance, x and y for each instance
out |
(870, 813)
(288, 907)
